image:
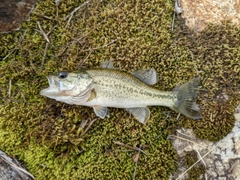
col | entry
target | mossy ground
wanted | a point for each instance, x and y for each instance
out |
(49, 136)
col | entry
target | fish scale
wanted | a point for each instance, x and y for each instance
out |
(121, 86)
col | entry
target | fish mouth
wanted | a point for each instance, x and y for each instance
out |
(52, 90)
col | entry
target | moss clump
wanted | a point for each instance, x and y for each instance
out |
(215, 55)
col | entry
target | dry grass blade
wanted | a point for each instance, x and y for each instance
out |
(182, 139)
(91, 123)
(177, 10)
(69, 17)
(10, 89)
(135, 159)
(12, 51)
(130, 147)
(42, 32)
(44, 56)
(196, 162)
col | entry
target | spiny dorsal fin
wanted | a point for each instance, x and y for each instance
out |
(107, 65)
(100, 111)
(142, 114)
(148, 76)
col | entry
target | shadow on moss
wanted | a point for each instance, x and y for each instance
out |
(216, 56)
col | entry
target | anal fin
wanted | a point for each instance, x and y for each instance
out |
(100, 111)
(142, 114)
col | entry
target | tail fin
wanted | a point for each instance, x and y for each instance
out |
(185, 103)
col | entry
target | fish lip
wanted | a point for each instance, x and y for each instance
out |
(50, 81)
(51, 90)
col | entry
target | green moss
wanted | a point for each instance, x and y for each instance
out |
(49, 136)
(215, 54)
(197, 171)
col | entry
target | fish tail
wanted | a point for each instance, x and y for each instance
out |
(185, 101)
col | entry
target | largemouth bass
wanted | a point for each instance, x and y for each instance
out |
(108, 87)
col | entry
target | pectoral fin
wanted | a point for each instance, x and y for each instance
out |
(142, 114)
(107, 65)
(148, 76)
(92, 96)
(100, 111)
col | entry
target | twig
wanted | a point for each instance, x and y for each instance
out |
(135, 168)
(9, 54)
(183, 139)
(91, 123)
(177, 10)
(44, 56)
(23, 97)
(130, 147)
(91, 49)
(57, 1)
(178, 116)
(184, 134)
(10, 89)
(85, 59)
(69, 17)
(173, 20)
(196, 162)
(135, 156)
(51, 30)
(200, 157)
(42, 32)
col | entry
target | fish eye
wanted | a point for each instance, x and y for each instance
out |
(62, 75)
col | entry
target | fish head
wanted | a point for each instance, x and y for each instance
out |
(67, 84)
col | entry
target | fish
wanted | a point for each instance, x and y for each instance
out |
(106, 86)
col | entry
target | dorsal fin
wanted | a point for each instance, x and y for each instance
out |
(148, 76)
(107, 65)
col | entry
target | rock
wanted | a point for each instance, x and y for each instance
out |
(199, 13)
(10, 169)
(221, 159)
(13, 12)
